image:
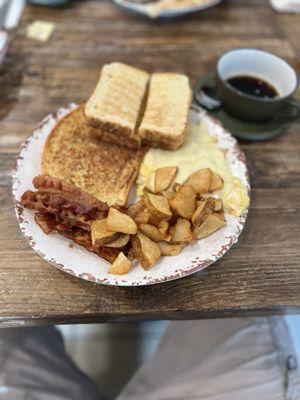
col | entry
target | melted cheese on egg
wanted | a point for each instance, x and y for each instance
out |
(200, 150)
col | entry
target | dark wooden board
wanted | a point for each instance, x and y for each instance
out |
(261, 274)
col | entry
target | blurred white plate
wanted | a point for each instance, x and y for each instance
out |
(79, 262)
(144, 9)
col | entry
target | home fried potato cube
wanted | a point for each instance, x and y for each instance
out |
(163, 178)
(200, 180)
(184, 201)
(101, 234)
(158, 205)
(182, 232)
(170, 249)
(209, 226)
(122, 265)
(119, 222)
(146, 251)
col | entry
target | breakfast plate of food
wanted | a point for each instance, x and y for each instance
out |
(134, 187)
(165, 8)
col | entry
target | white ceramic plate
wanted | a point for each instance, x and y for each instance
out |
(79, 262)
(142, 9)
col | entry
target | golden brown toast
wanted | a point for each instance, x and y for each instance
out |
(133, 142)
(116, 103)
(166, 116)
(73, 154)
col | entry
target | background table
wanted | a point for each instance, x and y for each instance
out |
(260, 275)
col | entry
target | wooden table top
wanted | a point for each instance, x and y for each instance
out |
(261, 274)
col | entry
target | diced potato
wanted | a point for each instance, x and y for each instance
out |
(122, 265)
(170, 249)
(204, 209)
(158, 205)
(209, 226)
(152, 232)
(119, 222)
(135, 208)
(146, 251)
(182, 232)
(143, 216)
(101, 234)
(200, 180)
(121, 241)
(163, 178)
(216, 183)
(184, 201)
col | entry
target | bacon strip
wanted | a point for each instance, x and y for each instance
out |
(62, 207)
(69, 204)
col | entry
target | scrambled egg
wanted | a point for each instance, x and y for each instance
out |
(200, 150)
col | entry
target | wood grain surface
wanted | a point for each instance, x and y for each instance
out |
(261, 274)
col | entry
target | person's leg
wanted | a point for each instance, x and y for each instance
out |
(35, 366)
(228, 359)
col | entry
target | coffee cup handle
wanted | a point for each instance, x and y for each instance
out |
(208, 98)
(288, 112)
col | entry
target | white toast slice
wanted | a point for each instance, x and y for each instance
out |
(117, 100)
(166, 116)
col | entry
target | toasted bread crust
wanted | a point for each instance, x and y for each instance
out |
(155, 143)
(106, 171)
(133, 142)
(110, 127)
(154, 138)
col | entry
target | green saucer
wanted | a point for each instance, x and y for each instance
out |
(241, 129)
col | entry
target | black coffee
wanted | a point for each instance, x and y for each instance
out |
(253, 86)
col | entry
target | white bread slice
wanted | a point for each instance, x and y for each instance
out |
(165, 119)
(117, 100)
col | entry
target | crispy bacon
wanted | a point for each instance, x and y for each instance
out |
(62, 207)
(46, 222)
(71, 193)
(68, 204)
